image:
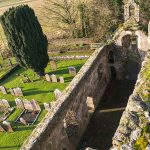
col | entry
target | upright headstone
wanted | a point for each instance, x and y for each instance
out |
(47, 106)
(72, 71)
(19, 103)
(61, 79)
(12, 91)
(3, 89)
(53, 65)
(57, 93)
(18, 91)
(36, 106)
(54, 78)
(48, 78)
(7, 126)
(27, 105)
(6, 104)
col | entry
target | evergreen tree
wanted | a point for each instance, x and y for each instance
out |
(25, 38)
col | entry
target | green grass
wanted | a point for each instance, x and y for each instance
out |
(40, 90)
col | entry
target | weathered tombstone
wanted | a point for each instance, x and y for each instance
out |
(27, 105)
(48, 78)
(6, 104)
(1, 104)
(53, 65)
(10, 63)
(72, 71)
(23, 121)
(18, 91)
(12, 91)
(57, 93)
(2, 129)
(3, 89)
(54, 78)
(47, 106)
(35, 105)
(61, 79)
(90, 103)
(19, 103)
(7, 126)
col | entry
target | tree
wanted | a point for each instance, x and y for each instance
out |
(62, 13)
(25, 38)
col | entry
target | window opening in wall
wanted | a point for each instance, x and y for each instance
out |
(131, 10)
(111, 57)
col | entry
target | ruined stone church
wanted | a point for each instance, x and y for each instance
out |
(122, 58)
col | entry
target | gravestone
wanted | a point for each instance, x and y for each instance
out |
(1, 104)
(48, 78)
(61, 79)
(53, 65)
(27, 105)
(19, 103)
(23, 121)
(18, 91)
(6, 104)
(35, 105)
(57, 93)
(47, 106)
(7, 126)
(2, 129)
(3, 89)
(12, 92)
(72, 71)
(54, 78)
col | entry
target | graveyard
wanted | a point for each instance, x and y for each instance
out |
(24, 86)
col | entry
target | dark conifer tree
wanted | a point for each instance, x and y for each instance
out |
(25, 38)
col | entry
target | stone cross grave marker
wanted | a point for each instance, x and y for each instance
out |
(54, 78)
(72, 71)
(47, 106)
(57, 93)
(6, 104)
(3, 89)
(48, 78)
(12, 91)
(27, 105)
(61, 79)
(19, 103)
(35, 105)
(53, 65)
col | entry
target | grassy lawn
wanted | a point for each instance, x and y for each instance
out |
(40, 90)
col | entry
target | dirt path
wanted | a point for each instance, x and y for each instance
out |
(106, 118)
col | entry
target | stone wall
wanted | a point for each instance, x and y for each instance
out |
(63, 126)
(136, 117)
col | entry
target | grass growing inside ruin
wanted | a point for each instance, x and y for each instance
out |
(40, 90)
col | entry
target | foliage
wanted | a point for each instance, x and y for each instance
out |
(25, 38)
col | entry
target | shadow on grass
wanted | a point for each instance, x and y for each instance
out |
(65, 70)
(34, 92)
(10, 147)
